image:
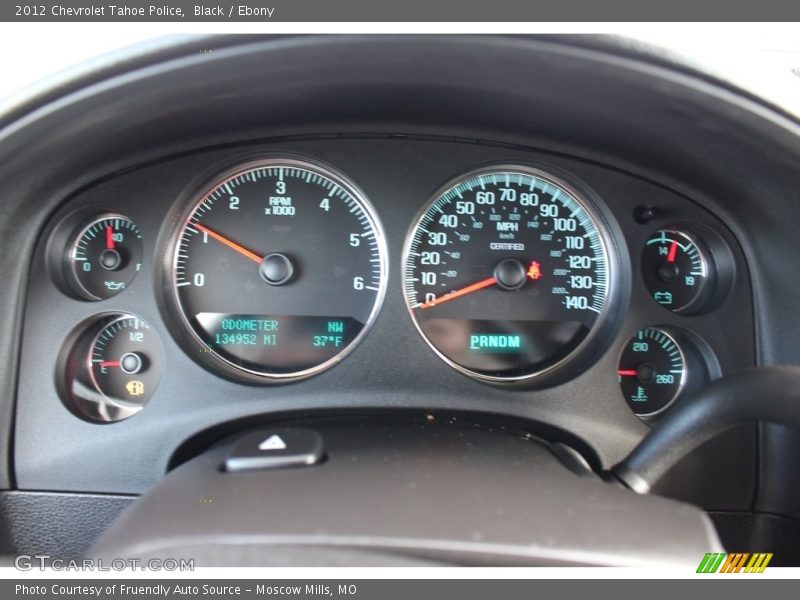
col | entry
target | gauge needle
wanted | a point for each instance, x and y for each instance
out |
(534, 272)
(673, 250)
(490, 281)
(109, 363)
(229, 243)
(109, 237)
(627, 372)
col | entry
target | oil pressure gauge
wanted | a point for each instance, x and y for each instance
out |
(103, 256)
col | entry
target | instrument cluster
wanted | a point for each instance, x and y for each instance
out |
(272, 268)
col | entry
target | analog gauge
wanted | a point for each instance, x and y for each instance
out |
(652, 371)
(103, 256)
(277, 270)
(678, 270)
(510, 273)
(112, 367)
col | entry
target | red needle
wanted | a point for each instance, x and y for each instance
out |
(673, 250)
(458, 293)
(229, 243)
(109, 363)
(109, 237)
(628, 372)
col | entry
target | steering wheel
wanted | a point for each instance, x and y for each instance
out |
(413, 490)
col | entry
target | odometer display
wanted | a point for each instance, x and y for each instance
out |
(277, 270)
(507, 272)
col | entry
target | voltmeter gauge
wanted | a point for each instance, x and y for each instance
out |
(112, 367)
(678, 270)
(103, 256)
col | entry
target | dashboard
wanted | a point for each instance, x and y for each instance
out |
(211, 338)
(354, 235)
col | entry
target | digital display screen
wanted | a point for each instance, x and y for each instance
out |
(279, 342)
(495, 342)
(503, 348)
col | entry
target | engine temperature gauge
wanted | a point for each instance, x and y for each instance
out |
(678, 270)
(113, 367)
(652, 371)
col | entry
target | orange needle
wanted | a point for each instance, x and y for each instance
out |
(673, 250)
(229, 243)
(458, 293)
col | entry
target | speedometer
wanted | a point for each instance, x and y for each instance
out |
(510, 274)
(275, 270)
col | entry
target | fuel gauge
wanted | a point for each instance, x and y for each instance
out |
(113, 367)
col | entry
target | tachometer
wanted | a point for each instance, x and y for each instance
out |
(276, 270)
(509, 273)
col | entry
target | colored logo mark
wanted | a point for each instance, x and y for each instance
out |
(737, 562)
